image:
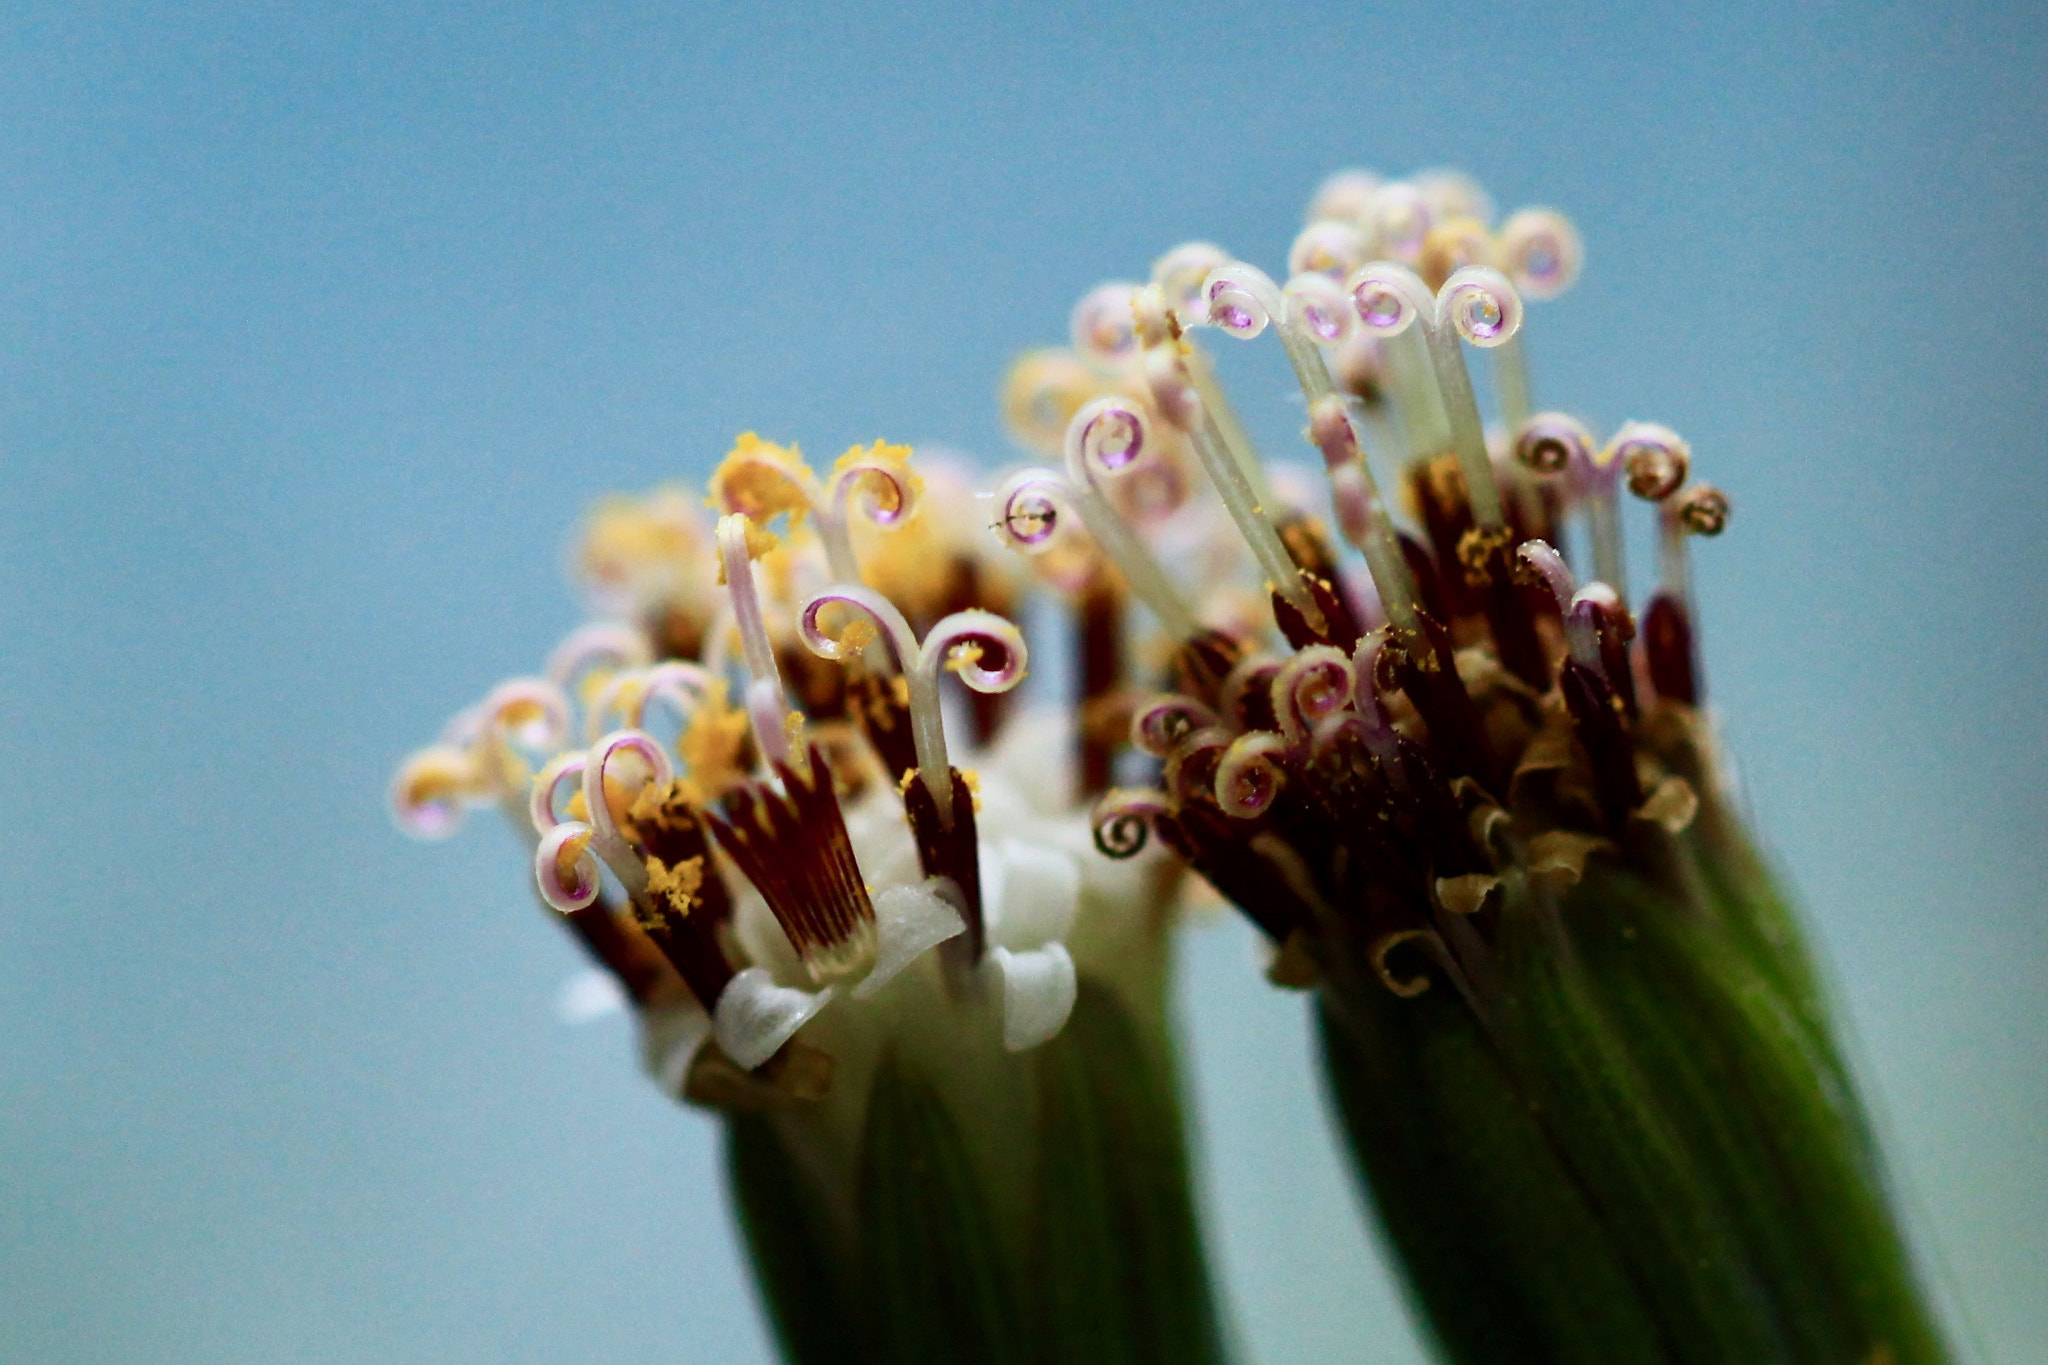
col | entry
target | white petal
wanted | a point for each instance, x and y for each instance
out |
(1029, 892)
(909, 922)
(1038, 992)
(755, 1016)
(670, 1036)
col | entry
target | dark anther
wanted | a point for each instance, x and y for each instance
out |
(1668, 649)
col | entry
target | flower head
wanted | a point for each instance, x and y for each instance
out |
(1465, 787)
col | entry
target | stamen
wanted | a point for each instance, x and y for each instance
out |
(1454, 243)
(1309, 314)
(760, 480)
(1542, 562)
(1603, 519)
(1108, 434)
(591, 653)
(1654, 458)
(767, 708)
(598, 786)
(1102, 327)
(1541, 252)
(429, 793)
(528, 714)
(564, 869)
(1312, 686)
(1162, 724)
(1598, 612)
(1382, 741)
(1483, 307)
(1670, 643)
(986, 652)
(1552, 444)
(1697, 510)
(1123, 819)
(793, 846)
(564, 771)
(1251, 774)
(1178, 276)
(1477, 304)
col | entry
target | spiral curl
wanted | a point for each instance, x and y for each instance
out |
(1654, 459)
(1034, 507)
(1310, 687)
(430, 792)
(1242, 299)
(1553, 443)
(1252, 774)
(1190, 768)
(1389, 297)
(529, 713)
(1108, 437)
(1703, 510)
(1317, 302)
(1482, 304)
(563, 868)
(562, 770)
(605, 836)
(1159, 725)
(596, 649)
(1541, 252)
(984, 650)
(1179, 274)
(1103, 325)
(877, 482)
(1123, 819)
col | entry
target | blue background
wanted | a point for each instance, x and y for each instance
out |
(322, 324)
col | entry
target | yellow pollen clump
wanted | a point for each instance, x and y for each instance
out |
(763, 545)
(973, 781)
(579, 806)
(903, 782)
(883, 472)
(759, 479)
(625, 533)
(566, 858)
(858, 635)
(962, 657)
(793, 727)
(677, 885)
(710, 747)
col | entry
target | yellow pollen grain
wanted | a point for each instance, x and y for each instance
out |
(973, 780)
(858, 635)
(793, 727)
(759, 479)
(677, 885)
(710, 746)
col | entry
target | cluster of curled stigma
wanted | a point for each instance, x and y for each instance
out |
(1368, 756)
(738, 790)
(737, 784)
